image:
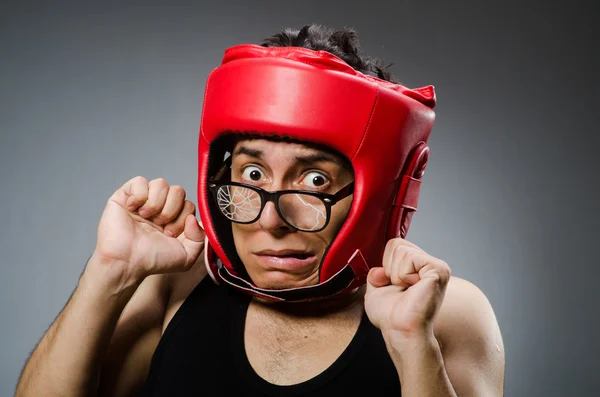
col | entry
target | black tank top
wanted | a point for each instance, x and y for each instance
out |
(202, 353)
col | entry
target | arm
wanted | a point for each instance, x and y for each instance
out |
(440, 331)
(105, 336)
(67, 360)
(127, 360)
(471, 342)
(466, 356)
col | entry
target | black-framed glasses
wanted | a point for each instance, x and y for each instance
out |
(303, 210)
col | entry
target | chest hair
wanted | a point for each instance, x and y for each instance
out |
(286, 349)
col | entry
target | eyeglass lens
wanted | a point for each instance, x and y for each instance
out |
(241, 204)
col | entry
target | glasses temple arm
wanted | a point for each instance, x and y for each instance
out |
(345, 191)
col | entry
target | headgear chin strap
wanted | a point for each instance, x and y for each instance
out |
(314, 96)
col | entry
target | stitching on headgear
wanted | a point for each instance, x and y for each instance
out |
(368, 123)
(204, 107)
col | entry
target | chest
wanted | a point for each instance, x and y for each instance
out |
(208, 350)
(286, 351)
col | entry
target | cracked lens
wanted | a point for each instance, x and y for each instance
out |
(303, 211)
(238, 204)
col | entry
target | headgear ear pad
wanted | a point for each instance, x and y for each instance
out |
(313, 96)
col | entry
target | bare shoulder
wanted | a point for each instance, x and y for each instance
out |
(470, 340)
(180, 285)
(467, 325)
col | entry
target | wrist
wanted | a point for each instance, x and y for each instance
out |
(420, 366)
(404, 347)
(109, 278)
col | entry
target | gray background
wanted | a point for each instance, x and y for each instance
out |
(91, 96)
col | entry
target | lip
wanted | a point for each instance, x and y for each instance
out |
(281, 260)
(285, 253)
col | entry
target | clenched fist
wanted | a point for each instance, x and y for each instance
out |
(405, 294)
(148, 228)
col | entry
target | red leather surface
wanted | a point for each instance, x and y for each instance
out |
(315, 96)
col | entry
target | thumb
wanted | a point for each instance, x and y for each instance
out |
(377, 277)
(192, 229)
(193, 238)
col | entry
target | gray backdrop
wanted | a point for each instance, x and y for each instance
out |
(91, 96)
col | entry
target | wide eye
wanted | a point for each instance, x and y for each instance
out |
(315, 179)
(252, 173)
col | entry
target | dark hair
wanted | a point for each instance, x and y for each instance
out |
(342, 43)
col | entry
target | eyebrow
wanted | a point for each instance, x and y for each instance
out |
(308, 159)
(316, 158)
(250, 152)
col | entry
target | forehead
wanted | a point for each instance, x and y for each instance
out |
(277, 146)
(278, 150)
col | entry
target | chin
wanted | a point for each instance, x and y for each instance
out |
(277, 280)
(272, 273)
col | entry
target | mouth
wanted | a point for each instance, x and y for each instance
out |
(286, 259)
(285, 254)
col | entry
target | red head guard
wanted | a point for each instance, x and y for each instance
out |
(314, 96)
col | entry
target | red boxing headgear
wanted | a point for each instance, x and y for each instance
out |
(314, 96)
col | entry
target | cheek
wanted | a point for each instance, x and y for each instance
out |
(237, 230)
(242, 236)
(238, 236)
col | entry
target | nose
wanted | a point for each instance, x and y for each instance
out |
(271, 221)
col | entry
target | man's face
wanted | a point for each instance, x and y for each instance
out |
(277, 256)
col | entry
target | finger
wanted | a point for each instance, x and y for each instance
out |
(177, 225)
(388, 254)
(135, 193)
(192, 230)
(393, 257)
(157, 195)
(377, 277)
(402, 269)
(173, 205)
(434, 268)
(193, 240)
(405, 242)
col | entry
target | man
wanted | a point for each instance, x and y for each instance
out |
(309, 167)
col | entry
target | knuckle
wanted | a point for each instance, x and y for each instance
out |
(390, 244)
(415, 254)
(151, 208)
(400, 252)
(159, 182)
(393, 243)
(177, 189)
(139, 179)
